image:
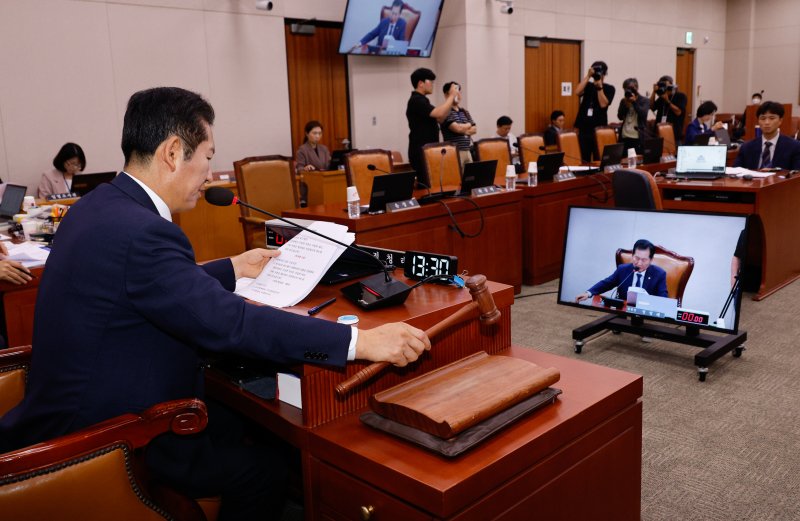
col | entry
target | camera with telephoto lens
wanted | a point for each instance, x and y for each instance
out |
(631, 93)
(598, 72)
(663, 87)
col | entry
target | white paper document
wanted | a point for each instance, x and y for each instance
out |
(290, 277)
(739, 172)
(29, 254)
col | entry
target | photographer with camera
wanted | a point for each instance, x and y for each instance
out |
(632, 111)
(669, 105)
(595, 97)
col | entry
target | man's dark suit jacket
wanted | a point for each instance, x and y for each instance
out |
(655, 281)
(124, 314)
(786, 155)
(399, 32)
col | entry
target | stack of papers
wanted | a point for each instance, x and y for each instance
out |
(29, 254)
(739, 172)
(290, 277)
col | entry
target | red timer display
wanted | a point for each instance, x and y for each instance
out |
(692, 317)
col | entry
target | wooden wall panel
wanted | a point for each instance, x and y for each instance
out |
(318, 85)
(546, 67)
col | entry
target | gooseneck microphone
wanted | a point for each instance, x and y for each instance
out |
(373, 168)
(441, 170)
(380, 286)
(616, 290)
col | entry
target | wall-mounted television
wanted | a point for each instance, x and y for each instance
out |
(687, 281)
(390, 27)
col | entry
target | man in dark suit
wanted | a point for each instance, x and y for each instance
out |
(641, 273)
(392, 26)
(124, 315)
(771, 150)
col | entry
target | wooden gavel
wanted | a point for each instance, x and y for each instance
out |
(482, 301)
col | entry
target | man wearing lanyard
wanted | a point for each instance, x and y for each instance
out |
(771, 150)
(595, 97)
(669, 105)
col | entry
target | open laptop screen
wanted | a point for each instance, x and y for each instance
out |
(709, 158)
(82, 184)
(12, 200)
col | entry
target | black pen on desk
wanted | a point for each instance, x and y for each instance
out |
(317, 309)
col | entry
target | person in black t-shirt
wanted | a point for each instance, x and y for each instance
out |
(424, 118)
(669, 105)
(595, 97)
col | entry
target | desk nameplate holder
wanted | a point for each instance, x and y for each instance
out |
(486, 190)
(563, 176)
(401, 206)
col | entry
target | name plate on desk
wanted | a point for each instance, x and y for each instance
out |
(486, 190)
(400, 206)
(563, 176)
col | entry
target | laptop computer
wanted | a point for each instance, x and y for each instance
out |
(82, 184)
(652, 149)
(720, 135)
(337, 158)
(612, 155)
(11, 202)
(389, 188)
(701, 161)
(477, 175)
(548, 165)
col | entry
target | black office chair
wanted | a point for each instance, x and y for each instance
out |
(636, 189)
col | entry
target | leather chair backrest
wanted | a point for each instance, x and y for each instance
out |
(678, 268)
(635, 189)
(449, 164)
(407, 13)
(358, 175)
(529, 150)
(568, 143)
(495, 148)
(604, 136)
(665, 131)
(98, 486)
(267, 182)
(14, 366)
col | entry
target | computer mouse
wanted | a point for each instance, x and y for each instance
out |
(747, 177)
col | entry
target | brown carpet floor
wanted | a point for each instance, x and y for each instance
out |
(724, 449)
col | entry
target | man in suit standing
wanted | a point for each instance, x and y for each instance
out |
(392, 27)
(124, 316)
(771, 150)
(641, 273)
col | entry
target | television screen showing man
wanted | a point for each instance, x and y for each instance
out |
(383, 36)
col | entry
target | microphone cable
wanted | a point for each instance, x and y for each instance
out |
(606, 194)
(455, 226)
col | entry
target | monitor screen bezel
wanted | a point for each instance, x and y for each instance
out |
(347, 16)
(736, 303)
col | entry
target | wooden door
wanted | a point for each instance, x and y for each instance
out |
(318, 84)
(548, 65)
(684, 77)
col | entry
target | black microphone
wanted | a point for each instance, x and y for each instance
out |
(616, 290)
(372, 168)
(383, 287)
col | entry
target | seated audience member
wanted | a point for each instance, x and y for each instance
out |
(771, 150)
(390, 28)
(669, 104)
(68, 162)
(641, 273)
(125, 316)
(632, 111)
(703, 123)
(459, 127)
(312, 155)
(504, 130)
(557, 121)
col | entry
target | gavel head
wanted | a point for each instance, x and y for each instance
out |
(489, 314)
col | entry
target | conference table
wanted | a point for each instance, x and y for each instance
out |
(578, 458)
(487, 238)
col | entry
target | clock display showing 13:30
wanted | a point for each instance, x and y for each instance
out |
(420, 265)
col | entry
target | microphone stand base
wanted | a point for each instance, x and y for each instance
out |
(375, 293)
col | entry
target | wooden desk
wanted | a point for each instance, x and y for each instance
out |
(496, 252)
(324, 187)
(772, 233)
(544, 221)
(577, 459)
(18, 304)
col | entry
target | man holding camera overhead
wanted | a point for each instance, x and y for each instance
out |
(632, 111)
(669, 105)
(595, 97)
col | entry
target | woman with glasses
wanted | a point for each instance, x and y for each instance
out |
(68, 162)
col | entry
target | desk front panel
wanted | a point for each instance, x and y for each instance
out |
(213, 231)
(544, 221)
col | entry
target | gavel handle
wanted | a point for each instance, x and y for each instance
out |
(373, 369)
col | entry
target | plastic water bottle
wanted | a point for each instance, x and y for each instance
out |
(353, 203)
(533, 173)
(631, 158)
(511, 178)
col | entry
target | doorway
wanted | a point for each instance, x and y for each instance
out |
(684, 77)
(552, 72)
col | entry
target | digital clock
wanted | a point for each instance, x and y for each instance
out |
(692, 317)
(419, 265)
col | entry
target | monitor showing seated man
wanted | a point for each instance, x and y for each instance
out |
(670, 266)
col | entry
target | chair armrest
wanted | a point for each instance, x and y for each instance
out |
(181, 417)
(15, 356)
